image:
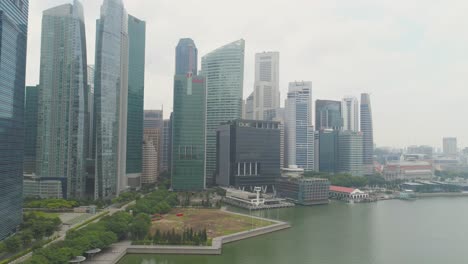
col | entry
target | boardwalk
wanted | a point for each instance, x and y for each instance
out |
(110, 255)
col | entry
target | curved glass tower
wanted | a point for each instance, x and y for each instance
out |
(110, 99)
(223, 69)
(63, 98)
(13, 41)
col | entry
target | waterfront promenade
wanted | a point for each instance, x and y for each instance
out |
(119, 250)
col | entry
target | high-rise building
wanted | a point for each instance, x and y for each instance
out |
(249, 107)
(188, 135)
(186, 57)
(328, 115)
(63, 131)
(450, 146)
(91, 146)
(350, 153)
(13, 42)
(149, 173)
(266, 88)
(136, 90)
(153, 133)
(299, 129)
(327, 151)
(166, 147)
(223, 69)
(368, 134)
(110, 99)
(350, 114)
(248, 154)
(30, 129)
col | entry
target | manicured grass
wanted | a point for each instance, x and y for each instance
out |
(217, 222)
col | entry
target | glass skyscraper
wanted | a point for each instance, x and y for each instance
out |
(188, 142)
(63, 98)
(13, 42)
(328, 115)
(110, 99)
(223, 69)
(368, 134)
(298, 126)
(186, 57)
(30, 126)
(136, 89)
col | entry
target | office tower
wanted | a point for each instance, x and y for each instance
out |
(149, 173)
(166, 147)
(188, 135)
(153, 132)
(110, 99)
(62, 139)
(350, 151)
(350, 114)
(299, 129)
(13, 42)
(450, 147)
(136, 89)
(266, 87)
(91, 146)
(327, 151)
(249, 107)
(279, 116)
(368, 134)
(223, 69)
(248, 154)
(186, 56)
(328, 115)
(30, 129)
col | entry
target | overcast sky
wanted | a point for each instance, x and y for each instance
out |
(410, 55)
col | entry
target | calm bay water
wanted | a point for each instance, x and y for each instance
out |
(426, 231)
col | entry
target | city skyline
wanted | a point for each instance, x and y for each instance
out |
(319, 57)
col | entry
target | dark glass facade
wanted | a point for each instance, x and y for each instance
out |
(248, 154)
(13, 42)
(188, 142)
(328, 115)
(328, 151)
(30, 126)
(186, 57)
(136, 88)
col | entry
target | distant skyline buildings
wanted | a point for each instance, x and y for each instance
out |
(111, 90)
(13, 47)
(62, 133)
(186, 57)
(153, 132)
(450, 146)
(367, 129)
(136, 92)
(299, 131)
(223, 69)
(350, 114)
(266, 95)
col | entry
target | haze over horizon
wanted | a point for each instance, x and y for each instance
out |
(410, 56)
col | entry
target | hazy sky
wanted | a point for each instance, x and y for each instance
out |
(412, 56)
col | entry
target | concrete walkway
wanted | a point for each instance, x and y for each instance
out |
(110, 255)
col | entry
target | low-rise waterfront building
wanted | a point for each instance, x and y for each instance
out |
(347, 194)
(304, 191)
(44, 187)
(408, 170)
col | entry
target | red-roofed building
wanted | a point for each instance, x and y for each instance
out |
(348, 194)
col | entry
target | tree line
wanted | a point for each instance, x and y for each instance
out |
(187, 237)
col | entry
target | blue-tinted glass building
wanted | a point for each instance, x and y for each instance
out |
(13, 42)
(186, 56)
(30, 128)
